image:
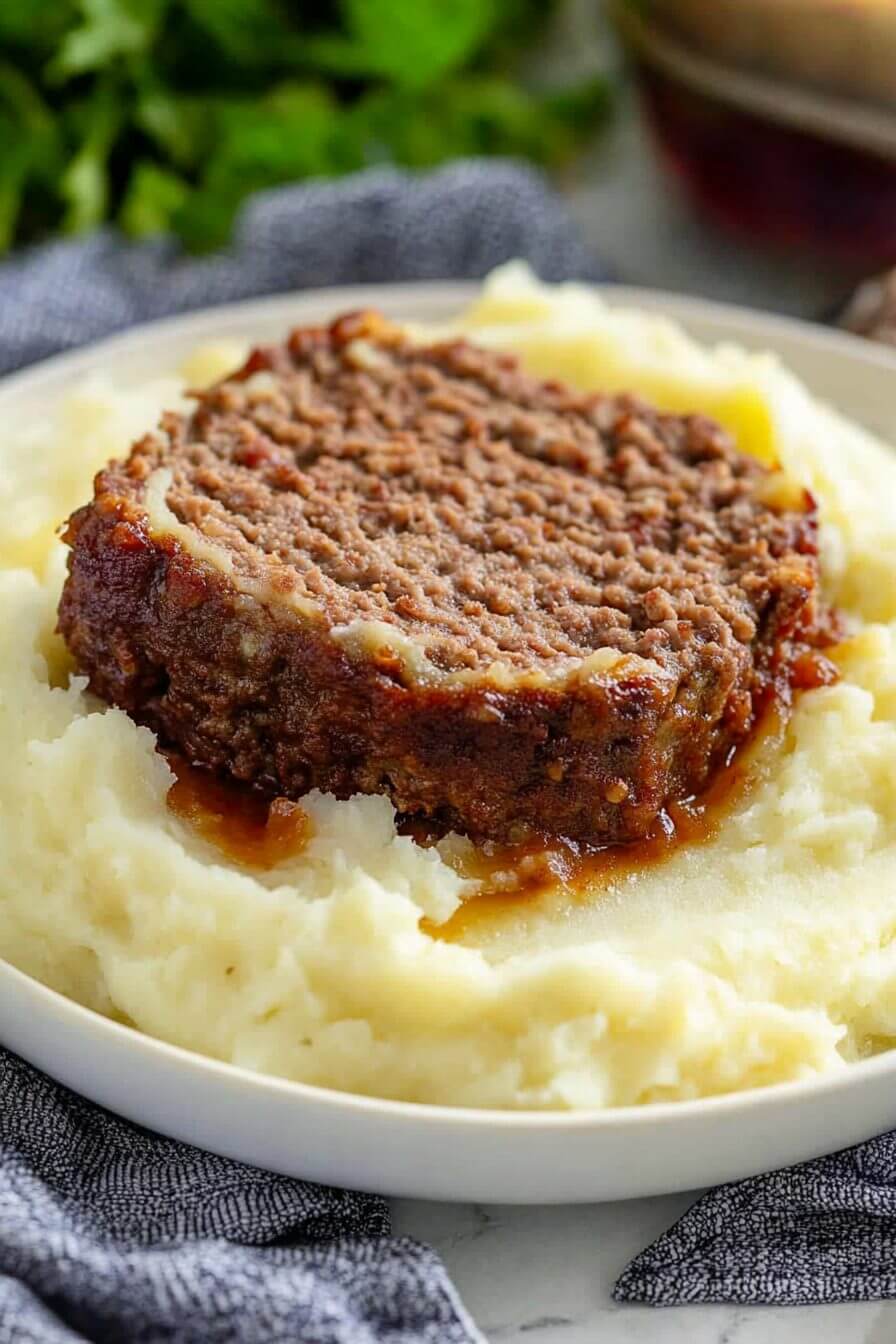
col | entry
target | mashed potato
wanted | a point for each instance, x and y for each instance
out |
(765, 954)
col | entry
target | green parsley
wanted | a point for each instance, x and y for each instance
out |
(161, 115)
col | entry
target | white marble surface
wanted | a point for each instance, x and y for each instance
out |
(545, 1276)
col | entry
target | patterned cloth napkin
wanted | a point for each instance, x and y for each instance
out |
(456, 223)
(113, 1235)
(824, 1231)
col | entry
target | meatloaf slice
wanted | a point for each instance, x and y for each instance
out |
(367, 565)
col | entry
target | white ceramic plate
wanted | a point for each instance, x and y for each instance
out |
(431, 1151)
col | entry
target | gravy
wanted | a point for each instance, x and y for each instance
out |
(246, 828)
(514, 876)
(251, 830)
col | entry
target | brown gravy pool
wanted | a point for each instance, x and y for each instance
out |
(515, 876)
(244, 826)
(255, 831)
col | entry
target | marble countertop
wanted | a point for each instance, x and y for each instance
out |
(545, 1276)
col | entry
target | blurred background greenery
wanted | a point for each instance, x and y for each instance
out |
(161, 115)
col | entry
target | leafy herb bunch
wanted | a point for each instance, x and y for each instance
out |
(164, 114)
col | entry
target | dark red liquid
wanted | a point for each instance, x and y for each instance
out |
(774, 183)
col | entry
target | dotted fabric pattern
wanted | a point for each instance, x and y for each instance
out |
(377, 226)
(114, 1235)
(823, 1231)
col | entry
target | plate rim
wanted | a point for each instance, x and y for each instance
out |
(751, 323)
(659, 302)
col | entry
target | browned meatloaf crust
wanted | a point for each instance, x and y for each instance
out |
(498, 530)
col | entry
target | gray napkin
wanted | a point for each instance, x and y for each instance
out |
(456, 223)
(113, 1235)
(823, 1231)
